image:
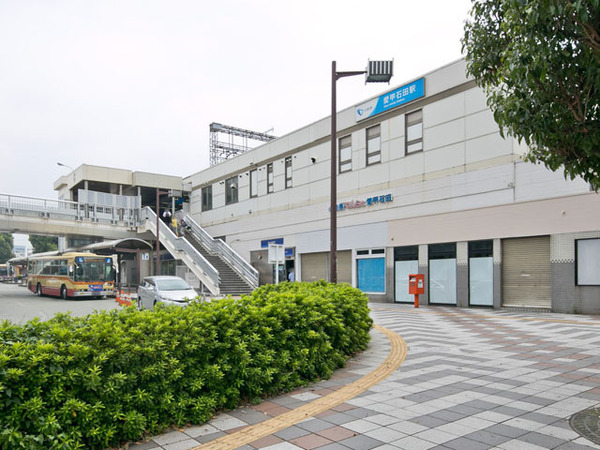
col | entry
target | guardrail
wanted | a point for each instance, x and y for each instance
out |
(217, 246)
(182, 245)
(67, 210)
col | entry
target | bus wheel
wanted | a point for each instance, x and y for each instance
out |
(38, 289)
(63, 292)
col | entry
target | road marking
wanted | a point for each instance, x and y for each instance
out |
(252, 433)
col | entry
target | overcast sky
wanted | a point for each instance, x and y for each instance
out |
(134, 84)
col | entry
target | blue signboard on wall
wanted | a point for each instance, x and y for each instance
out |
(266, 242)
(390, 100)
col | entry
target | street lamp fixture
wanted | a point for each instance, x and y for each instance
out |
(64, 165)
(376, 72)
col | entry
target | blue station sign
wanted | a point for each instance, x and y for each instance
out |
(390, 100)
(266, 242)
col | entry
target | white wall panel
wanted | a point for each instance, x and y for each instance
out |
(534, 182)
(444, 134)
(373, 174)
(361, 236)
(414, 164)
(480, 124)
(396, 148)
(348, 182)
(487, 147)
(446, 77)
(445, 157)
(443, 111)
(396, 127)
(475, 101)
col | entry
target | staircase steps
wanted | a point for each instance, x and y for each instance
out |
(231, 283)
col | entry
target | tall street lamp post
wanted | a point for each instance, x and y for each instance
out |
(377, 72)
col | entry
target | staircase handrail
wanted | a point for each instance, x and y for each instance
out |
(182, 245)
(221, 248)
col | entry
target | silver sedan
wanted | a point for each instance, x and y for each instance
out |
(164, 289)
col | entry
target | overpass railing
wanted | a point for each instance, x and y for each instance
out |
(67, 210)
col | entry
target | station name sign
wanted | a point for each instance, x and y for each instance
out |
(389, 100)
(371, 201)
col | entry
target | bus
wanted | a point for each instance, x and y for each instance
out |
(71, 275)
(5, 272)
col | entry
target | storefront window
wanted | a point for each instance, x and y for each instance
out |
(588, 262)
(442, 274)
(406, 262)
(481, 273)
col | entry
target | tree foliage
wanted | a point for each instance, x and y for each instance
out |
(6, 247)
(538, 62)
(42, 244)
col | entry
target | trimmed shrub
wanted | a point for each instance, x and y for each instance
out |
(115, 376)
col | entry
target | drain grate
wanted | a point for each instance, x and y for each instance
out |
(587, 424)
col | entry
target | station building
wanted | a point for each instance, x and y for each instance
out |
(426, 184)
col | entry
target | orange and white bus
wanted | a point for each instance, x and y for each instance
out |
(71, 275)
(5, 272)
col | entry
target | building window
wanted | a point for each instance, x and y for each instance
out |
(373, 145)
(414, 131)
(345, 153)
(370, 270)
(231, 190)
(253, 183)
(587, 257)
(207, 198)
(288, 172)
(270, 179)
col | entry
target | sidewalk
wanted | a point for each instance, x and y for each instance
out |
(443, 378)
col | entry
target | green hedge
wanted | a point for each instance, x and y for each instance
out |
(115, 376)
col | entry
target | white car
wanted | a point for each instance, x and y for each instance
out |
(164, 289)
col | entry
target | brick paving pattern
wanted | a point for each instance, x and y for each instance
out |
(472, 379)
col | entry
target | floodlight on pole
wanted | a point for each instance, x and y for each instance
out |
(376, 72)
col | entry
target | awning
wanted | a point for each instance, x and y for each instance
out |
(117, 246)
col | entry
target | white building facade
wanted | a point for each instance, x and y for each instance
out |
(427, 185)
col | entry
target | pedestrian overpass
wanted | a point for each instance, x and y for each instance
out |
(30, 215)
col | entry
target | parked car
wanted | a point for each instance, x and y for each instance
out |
(164, 289)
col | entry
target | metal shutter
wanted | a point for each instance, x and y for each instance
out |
(344, 266)
(526, 272)
(315, 266)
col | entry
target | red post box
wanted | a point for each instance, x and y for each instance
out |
(416, 286)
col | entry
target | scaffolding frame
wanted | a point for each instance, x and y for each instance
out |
(221, 150)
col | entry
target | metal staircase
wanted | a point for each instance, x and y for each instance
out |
(237, 277)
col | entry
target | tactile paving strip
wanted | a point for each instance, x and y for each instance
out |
(252, 433)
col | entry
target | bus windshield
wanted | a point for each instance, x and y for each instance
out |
(87, 269)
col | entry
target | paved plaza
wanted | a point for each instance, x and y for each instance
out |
(432, 378)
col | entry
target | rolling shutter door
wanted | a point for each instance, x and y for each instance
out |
(315, 266)
(344, 266)
(526, 272)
